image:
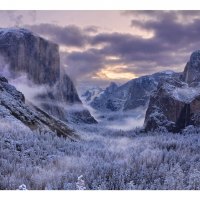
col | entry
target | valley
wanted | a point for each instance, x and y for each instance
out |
(140, 135)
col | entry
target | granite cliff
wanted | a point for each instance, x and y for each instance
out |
(25, 52)
(176, 102)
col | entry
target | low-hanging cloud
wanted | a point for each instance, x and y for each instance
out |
(21, 81)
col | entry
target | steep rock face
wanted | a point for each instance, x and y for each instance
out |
(130, 95)
(166, 108)
(192, 69)
(13, 107)
(40, 60)
(32, 54)
(103, 101)
(66, 103)
(176, 102)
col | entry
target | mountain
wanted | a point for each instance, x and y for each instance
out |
(13, 109)
(24, 52)
(129, 96)
(191, 72)
(176, 102)
(91, 93)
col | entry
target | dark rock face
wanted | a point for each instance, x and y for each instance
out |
(65, 90)
(12, 105)
(192, 69)
(28, 53)
(176, 102)
(165, 108)
(40, 60)
(66, 103)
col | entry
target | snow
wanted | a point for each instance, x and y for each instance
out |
(186, 94)
(80, 185)
(17, 32)
(91, 94)
(168, 72)
(22, 187)
(103, 160)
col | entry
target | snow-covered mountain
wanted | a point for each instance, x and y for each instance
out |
(131, 95)
(14, 110)
(176, 102)
(23, 52)
(91, 93)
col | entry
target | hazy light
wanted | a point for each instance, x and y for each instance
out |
(145, 34)
(112, 58)
(115, 73)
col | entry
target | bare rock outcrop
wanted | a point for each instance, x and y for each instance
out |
(176, 102)
(12, 105)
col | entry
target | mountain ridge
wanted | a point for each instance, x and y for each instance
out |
(130, 95)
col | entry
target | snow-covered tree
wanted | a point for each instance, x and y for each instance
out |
(22, 187)
(80, 184)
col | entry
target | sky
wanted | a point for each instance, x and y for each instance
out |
(97, 47)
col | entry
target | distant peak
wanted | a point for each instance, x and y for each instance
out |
(113, 84)
(195, 56)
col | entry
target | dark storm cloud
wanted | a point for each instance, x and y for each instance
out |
(170, 31)
(133, 49)
(83, 63)
(173, 41)
(69, 35)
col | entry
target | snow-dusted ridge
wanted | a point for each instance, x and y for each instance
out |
(14, 108)
(17, 32)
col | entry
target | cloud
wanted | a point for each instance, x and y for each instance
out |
(91, 29)
(175, 34)
(70, 35)
(81, 64)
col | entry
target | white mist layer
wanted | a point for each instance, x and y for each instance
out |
(186, 94)
(126, 124)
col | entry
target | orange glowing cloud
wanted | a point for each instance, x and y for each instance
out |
(114, 73)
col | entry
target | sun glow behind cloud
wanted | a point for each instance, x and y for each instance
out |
(145, 34)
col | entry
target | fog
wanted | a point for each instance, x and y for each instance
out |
(21, 82)
(120, 120)
(126, 124)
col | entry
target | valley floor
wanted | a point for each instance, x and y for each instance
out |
(102, 159)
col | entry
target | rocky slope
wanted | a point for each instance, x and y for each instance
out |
(25, 52)
(91, 93)
(176, 102)
(129, 96)
(191, 72)
(14, 109)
